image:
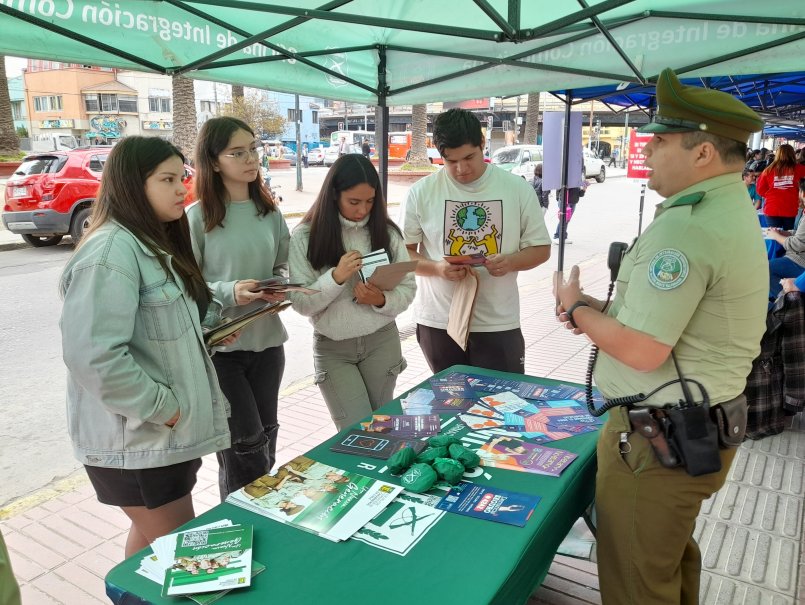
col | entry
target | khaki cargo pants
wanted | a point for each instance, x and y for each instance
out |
(646, 514)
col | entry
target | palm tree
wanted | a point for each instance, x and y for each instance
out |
(419, 129)
(9, 143)
(532, 119)
(185, 126)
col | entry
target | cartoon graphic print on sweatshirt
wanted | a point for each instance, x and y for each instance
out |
(474, 226)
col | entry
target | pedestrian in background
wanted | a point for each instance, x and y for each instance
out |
(779, 186)
(366, 149)
(239, 237)
(143, 401)
(356, 345)
(305, 155)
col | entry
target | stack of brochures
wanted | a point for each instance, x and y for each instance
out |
(318, 498)
(212, 558)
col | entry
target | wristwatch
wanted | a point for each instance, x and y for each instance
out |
(573, 307)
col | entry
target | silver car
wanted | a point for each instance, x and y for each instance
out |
(518, 159)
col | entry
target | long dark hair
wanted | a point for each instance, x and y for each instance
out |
(210, 190)
(785, 161)
(326, 246)
(122, 198)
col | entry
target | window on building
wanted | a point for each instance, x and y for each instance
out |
(160, 104)
(49, 103)
(314, 117)
(91, 103)
(108, 102)
(127, 103)
(16, 110)
(293, 116)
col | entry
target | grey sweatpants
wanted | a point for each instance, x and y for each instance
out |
(357, 375)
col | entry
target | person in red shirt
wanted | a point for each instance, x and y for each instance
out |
(778, 184)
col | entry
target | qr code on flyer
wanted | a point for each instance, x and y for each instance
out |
(195, 538)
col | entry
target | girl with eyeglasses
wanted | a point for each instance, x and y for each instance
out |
(239, 237)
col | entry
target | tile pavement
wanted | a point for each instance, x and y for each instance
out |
(64, 542)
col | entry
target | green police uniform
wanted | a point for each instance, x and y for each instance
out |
(694, 280)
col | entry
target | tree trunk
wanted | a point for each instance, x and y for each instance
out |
(419, 129)
(9, 143)
(185, 127)
(532, 119)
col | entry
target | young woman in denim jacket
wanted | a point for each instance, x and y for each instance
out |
(239, 236)
(143, 402)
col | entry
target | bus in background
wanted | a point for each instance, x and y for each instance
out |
(400, 146)
(353, 137)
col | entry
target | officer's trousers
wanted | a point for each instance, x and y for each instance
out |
(646, 514)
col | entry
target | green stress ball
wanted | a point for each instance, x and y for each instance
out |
(466, 457)
(419, 478)
(430, 454)
(401, 460)
(442, 440)
(448, 469)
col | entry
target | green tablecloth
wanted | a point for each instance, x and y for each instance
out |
(461, 560)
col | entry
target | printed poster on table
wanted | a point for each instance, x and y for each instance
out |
(402, 524)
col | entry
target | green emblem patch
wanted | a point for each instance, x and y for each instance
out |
(668, 269)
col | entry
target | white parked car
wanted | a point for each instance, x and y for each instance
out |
(518, 159)
(331, 153)
(593, 166)
(315, 156)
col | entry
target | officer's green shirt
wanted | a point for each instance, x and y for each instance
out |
(697, 279)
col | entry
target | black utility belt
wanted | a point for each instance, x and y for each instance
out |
(690, 436)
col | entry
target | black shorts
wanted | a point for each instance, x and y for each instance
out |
(148, 487)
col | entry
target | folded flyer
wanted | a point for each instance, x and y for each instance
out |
(489, 503)
(210, 560)
(519, 455)
(318, 498)
(421, 425)
(219, 333)
(373, 445)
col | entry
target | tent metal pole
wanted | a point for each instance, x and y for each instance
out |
(564, 193)
(382, 122)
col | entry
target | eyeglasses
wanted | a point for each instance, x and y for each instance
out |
(243, 156)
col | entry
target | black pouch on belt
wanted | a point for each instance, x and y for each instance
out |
(730, 418)
(693, 436)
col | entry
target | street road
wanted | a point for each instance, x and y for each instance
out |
(34, 448)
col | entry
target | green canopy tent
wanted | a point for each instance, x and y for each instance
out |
(385, 52)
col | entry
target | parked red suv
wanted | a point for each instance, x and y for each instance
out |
(50, 195)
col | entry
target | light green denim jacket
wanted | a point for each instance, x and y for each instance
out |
(133, 346)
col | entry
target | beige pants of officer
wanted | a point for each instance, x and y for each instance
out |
(645, 516)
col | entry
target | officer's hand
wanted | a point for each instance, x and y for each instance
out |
(562, 317)
(567, 291)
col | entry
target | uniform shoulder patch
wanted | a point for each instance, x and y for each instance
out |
(668, 269)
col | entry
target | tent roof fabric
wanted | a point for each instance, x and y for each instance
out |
(414, 51)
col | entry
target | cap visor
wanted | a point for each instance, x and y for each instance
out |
(654, 127)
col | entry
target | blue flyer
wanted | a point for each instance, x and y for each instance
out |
(490, 503)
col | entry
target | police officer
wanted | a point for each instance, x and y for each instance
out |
(693, 284)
